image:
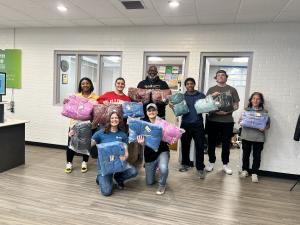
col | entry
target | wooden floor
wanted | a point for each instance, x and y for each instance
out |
(40, 193)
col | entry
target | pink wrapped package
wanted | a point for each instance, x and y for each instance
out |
(160, 95)
(101, 112)
(171, 133)
(78, 108)
(139, 95)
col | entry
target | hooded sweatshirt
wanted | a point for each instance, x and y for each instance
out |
(192, 116)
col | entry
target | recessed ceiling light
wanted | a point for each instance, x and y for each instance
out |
(62, 8)
(173, 3)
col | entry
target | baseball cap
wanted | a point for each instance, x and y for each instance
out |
(151, 105)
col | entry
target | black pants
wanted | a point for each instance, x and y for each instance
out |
(224, 131)
(257, 148)
(195, 131)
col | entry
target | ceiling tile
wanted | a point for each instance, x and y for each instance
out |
(86, 22)
(293, 6)
(116, 21)
(183, 20)
(98, 8)
(215, 6)
(288, 16)
(186, 8)
(255, 18)
(262, 6)
(216, 18)
(148, 21)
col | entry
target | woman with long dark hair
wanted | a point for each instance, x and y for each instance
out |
(85, 90)
(253, 139)
(113, 131)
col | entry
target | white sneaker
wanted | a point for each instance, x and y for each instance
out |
(244, 174)
(161, 190)
(68, 168)
(254, 178)
(209, 167)
(84, 168)
(227, 169)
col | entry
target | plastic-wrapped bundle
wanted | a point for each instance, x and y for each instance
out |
(78, 108)
(135, 154)
(109, 157)
(151, 132)
(225, 102)
(181, 108)
(139, 95)
(80, 141)
(102, 112)
(171, 133)
(206, 105)
(254, 119)
(132, 109)
(160, 95)
(176, 98)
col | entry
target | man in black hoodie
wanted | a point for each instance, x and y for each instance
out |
(152, 81)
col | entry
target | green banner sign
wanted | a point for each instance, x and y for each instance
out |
(10, 63)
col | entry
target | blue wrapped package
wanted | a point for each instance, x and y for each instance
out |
(132, 109)
(108, 157)
(151, 132)
(206, 105)
(176, 98)
(254, 119)
(180, 108)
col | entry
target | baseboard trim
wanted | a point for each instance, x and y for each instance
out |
(46, 145)
(278, 175)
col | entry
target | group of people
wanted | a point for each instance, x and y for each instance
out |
(219, 127)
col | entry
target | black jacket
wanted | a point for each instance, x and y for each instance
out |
(297, 131)
(156, 83)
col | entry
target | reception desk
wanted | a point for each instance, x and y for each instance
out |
(12, 144)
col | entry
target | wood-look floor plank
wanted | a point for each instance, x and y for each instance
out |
(41, 193)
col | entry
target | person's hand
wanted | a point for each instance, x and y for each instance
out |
(122, 157)
(66, 100)
(140, 139)
(262, 130)
(215, 94)
(221, 113)
(71, 133)
(171, 105)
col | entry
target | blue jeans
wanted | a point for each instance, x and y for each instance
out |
(162, 162)
(106, 182)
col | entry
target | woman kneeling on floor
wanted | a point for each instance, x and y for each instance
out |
(113, 131)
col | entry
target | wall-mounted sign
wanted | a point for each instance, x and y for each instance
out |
(10, 63)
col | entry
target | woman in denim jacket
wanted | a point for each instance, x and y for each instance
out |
(253, 138)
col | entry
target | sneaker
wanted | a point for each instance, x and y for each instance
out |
(68, 168)
(161, 190)
(120, 186)
(183, 168)
(97, 182)
(209, 167)
(202, 174)
(84, 168)
(254, 178)
(227, 169)
(244, 174)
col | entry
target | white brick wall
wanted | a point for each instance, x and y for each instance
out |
(275, 72)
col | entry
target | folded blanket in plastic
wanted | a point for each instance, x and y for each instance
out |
(179, 104)
(80, 141)
(254, 119)
(206, 105)
(171, 133)
(139, 95)
(151, 132)
(160, 96)
(101, 112)
(132, 109)
(78, 108)
(108, 157)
